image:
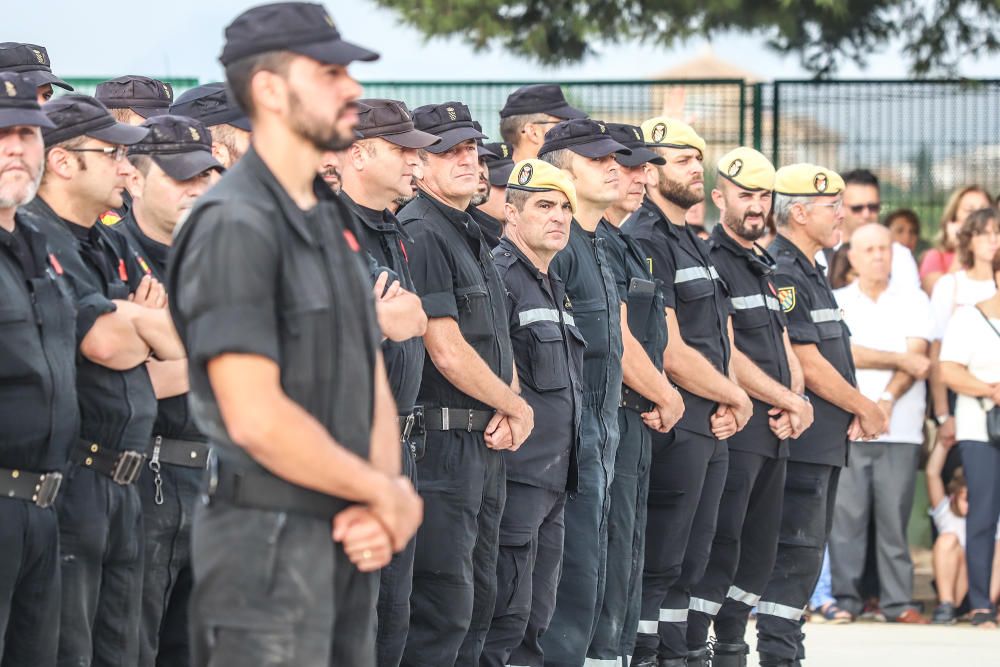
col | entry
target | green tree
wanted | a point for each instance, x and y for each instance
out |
(935, 34)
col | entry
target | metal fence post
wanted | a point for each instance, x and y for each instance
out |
(775, 122)
(758, 115)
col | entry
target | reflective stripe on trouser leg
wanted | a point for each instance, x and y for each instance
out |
(740, 595)
(602, 662)
(704, 606)
(780, 610)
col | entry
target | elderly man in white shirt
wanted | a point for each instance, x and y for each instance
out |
(890, 333)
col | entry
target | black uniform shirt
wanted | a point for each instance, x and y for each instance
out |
(252, 273)
(693, 288)
(814, 317)
(382, 236)
(758, 330)
(456, 277)
(117, 408)
(548, 351)
(173, 415)
(637, 289)
(491, 228)
(39, 415)
(585, 267)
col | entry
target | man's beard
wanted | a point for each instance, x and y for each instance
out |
(679, 194)
(323, 138)
(740, 228)
(29, 193)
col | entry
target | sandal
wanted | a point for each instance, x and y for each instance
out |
(982, 618)
(831, 613)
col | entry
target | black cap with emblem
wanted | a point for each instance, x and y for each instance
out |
(452, 121)
(147, 97)
(18, 102)
(76, 115)
(300, 27)
(630, 136)
(583, 136)
(501, 165)
(481, 150)
(540, 98)
(391, 120)
(210, 104)
(180, 146)
(30, 60)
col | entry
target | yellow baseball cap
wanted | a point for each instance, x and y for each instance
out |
(539, 176)
(748, 169)
(670, 133)
(807, 180)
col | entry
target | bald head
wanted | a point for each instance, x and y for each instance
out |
(871, 252)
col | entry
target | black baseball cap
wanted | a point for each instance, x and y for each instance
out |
(77, 115)
(210, 104)
(391, 120)
(630, 136)
(451, 121)
(147, 97)
(300, 27)
(540, 98)
(481, 150)
(583, 136)
(180, 146)
(501, 164)
(19, 102)
(32, 61)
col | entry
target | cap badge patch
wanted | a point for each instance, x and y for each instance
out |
(524, 176)
(451, 113)
(504, 150)
(329, 20)
(567, 304)
(194, 134)
(603, 129)
(166, 91)
(820, 182)
(39, 56)
(9, 88)
(786, 297)
(735, 168)
(638, 136)
(659, 131)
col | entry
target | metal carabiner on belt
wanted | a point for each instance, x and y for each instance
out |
(154, 465)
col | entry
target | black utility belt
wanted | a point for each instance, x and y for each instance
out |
(39, 488)
(186, 453)
(456, 419)
(258, 490)
(635, 401)
(123, 467)
(412, 423)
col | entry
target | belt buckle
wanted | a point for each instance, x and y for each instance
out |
(127, 467)
(47, 489)
(407, 426)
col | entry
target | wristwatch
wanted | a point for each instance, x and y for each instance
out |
(887, 396)
(941, 419)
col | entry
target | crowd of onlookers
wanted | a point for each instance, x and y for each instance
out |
(925, 325)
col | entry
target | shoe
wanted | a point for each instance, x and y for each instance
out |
(730, 655)
(644, 661)
(768, 660)
(983, 619)
(831, 613)
(872, 612)
(672, 662)
(700, 658)
(912, 617)
(945, 614)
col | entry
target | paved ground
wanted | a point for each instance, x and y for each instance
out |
(888, 645)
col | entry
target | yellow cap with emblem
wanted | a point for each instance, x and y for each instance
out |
(670, 133)
(748, 169)
(807, 180)
(539, 176)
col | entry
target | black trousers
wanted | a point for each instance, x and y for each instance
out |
(806, 519)
(743, 551)
(619, 617)
(531, 549)
(272, 589)
(981, 462)
(395, 585)
(167, 579)
(687, 476)
(100, 537)
(29, 584)
(463, 485)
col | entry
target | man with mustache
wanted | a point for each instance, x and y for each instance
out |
(746, 537)
(375, 170)
(491, 226)
(472, 411)
(499, 164)
(270, 292)
(688, 468)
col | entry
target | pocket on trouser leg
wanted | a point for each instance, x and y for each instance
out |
(514, 575)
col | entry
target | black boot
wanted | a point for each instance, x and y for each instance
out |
(700, 658)
(643, 658)
(672, 662)
(771, 660)
(730, 655)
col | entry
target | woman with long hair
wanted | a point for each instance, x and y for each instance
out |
(941, 259)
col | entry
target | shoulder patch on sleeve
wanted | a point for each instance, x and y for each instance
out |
(786, 297)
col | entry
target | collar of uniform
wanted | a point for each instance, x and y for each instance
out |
(512, 248)
(784, 245)
(370, 217)
(460, 219)
(670, 227)
(155, 250)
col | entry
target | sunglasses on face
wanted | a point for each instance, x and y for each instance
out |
(857, 209)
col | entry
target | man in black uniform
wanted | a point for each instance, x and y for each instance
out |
(688, 468)
(499, 163)
(287, 380)
(647, 396)
(585, 153)
(376, 170)
(530, 112)
(230, 127)
(469, 394)
(122, 320)
(39, 417)
(746, 537)
(173, 166)
(808, 215)
(31, 61)
(548, 351)
(491, 226)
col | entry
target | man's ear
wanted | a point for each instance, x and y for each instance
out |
(718, 199)
(221, 153)
(60, 162)
(135, 183)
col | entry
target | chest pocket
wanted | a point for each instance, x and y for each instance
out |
(474, 313)
(641, 297)
(750, 318)
(547, 369)
(12, 316)
(693, 290)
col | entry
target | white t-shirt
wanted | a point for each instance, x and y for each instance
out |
(900, 313)
(947, 521)
(969, 341)
(953, 290)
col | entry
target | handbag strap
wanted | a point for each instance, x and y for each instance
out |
(982, 402)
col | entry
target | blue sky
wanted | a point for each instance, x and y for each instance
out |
(184, 37)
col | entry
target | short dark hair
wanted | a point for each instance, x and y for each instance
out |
(517, 198)
(907, 214)
(860, 177)
(142, 163)
(561, 158)
(512, 126)
(240, 73)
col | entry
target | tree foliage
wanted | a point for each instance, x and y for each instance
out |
(935, 34)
